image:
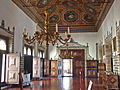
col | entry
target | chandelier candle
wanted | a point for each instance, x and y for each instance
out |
(36, 27)
(68, 30)
(56, 27)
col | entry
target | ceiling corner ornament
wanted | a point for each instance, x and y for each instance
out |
(46, 35)
(70, 16)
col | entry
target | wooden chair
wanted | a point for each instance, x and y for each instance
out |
(90, 85)
(21, 81)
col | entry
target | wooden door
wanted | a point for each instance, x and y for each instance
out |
(79, 63)
(12, 68)
(54, 66)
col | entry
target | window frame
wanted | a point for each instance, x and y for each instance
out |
(41, 53)
(31, 48)
(7, 44)
(4, 52)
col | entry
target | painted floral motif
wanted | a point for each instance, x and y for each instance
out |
(43, 3)
(88, 18)
(69, 3)
(70, 16)
(54, 19)
(90, 9)
(95, 2)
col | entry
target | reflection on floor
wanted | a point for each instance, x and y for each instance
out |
(65, 83)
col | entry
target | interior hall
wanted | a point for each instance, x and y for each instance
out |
(59, 45)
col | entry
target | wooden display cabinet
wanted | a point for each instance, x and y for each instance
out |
(54, 66)
(12, 68)
(92, 63)
(36, 67)
(108, 53)
(92, 68)
(116, 59)
(46, 68)
(101, 69)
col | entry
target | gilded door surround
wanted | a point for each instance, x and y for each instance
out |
(75, 46)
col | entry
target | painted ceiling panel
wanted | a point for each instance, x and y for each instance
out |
(73, 13)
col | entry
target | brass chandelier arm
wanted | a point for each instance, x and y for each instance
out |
(39, 37)
(64, 41)
(28, 40)
(53, 38)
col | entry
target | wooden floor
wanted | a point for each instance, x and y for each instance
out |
(65, 83)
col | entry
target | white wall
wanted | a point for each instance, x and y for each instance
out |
(110, 20)
(81, 38)
(14, 16)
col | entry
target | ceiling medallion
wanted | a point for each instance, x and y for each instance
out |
(70, 16)
(54, 19)
(88, 18)
(43, 3)
(69, 3)
(90, 10)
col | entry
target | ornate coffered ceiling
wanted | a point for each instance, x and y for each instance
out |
(79, 15)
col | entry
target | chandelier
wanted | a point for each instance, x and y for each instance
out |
(65, 54)
(45, 35)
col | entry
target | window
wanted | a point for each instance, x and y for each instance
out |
(43, 55)
(3, 69)
(40, 55)
(3, 45)
(33, 51)
(25, 50)
(29, 51)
